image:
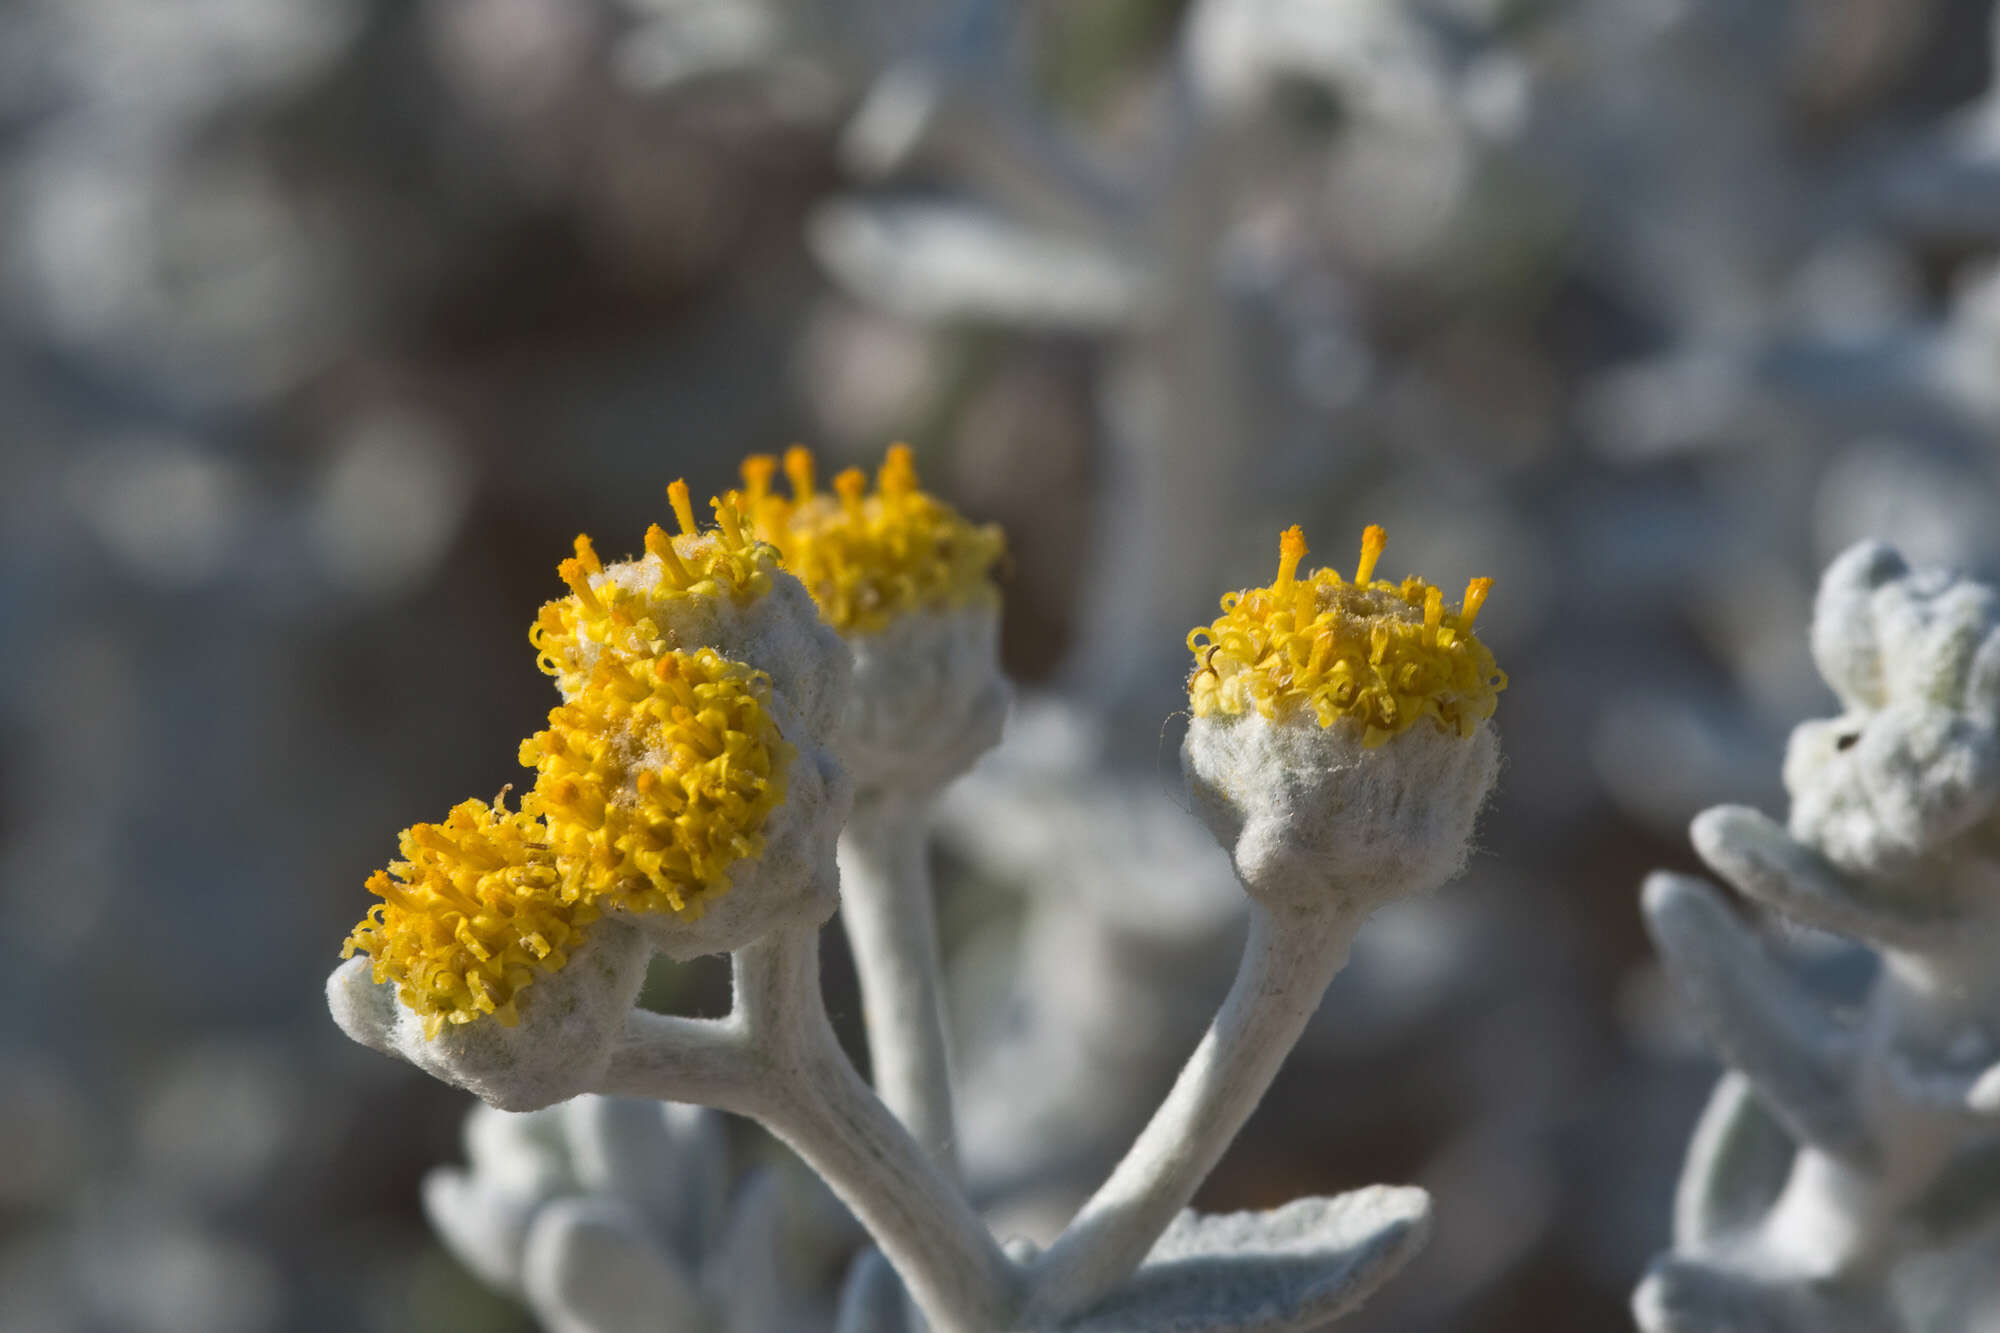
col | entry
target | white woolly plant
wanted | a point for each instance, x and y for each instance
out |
(1340, 750)
(1846, 1175)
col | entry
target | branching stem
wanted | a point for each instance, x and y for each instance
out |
(776, 1059)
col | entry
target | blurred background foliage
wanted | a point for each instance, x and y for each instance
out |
(329, 323)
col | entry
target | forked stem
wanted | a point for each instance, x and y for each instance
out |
(776, 1060)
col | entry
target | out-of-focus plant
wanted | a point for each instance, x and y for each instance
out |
(1843, 1177)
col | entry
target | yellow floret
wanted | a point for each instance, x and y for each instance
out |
(470, 916)
(625, 608)
(656, 777)
(867, 559)
(1382, 654)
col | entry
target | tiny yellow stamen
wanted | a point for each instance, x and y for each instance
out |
(1373, 539)
(577, 577)
(1475, 597)
(1433, 613)
(849, 485)
(898, 475)
(661, 547)
(1291, 550)
(731, 519)
(758, 469)
(799, 471)
(587, 553)
(677, 496)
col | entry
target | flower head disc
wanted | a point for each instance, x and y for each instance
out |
(470, 915)
(625, 607)
(1385, 655)
(867, 559)
(656, 777)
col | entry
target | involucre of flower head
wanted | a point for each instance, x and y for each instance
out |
(569, 1020)
(1910, 772)
(1384, 656)
(1340, 747)
(929, 699)
(869, 558)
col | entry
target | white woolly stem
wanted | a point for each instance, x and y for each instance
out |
(703, 1062)
(887, 906)
(814, 1101)
(1287, 962)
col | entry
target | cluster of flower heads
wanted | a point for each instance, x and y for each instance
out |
(655, 776)
(1384, 655)
(867, 559)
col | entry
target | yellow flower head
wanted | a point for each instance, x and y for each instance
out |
(656, 777)
(1381, 653)
(624, 608)
(867, 559)
(470, 915)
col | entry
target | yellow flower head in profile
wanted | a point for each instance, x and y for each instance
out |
(1385, 655)
(867, 559)
(470, 916)
(624, 608)
(656, 777)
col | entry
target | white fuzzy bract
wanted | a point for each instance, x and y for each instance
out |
(1311, 815)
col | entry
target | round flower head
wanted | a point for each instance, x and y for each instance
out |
(1909, 775)
(908, 584)
(1340, 741)
(718, 588)
(674, 801)
(479, 969)
(868, 559)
